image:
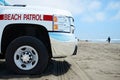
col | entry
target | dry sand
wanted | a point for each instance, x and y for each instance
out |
(94, 61)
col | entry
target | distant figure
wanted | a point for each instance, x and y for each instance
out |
(86, 40)
(109, 39)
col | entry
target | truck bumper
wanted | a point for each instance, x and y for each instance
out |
(63, 44)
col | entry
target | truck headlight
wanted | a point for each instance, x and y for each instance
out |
(61, 23)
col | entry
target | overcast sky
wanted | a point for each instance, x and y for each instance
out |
(94, 19)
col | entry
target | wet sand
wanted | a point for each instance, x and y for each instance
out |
(94, 61)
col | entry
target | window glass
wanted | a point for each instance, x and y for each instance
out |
(1, 2)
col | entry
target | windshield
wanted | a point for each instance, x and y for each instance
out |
(3, 3)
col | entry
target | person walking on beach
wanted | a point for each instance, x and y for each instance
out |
(109, 39)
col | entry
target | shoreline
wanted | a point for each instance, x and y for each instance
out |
(99, 41)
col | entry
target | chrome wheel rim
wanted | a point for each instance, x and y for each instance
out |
(26, 57)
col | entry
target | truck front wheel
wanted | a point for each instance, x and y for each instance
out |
(27, 55)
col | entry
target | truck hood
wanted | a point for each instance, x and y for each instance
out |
(34, 10)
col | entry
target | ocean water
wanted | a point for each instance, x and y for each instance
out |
(104, 40)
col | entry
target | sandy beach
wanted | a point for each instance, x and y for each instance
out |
(100, 61)
(94, 61)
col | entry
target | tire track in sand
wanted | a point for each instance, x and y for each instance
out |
(58, 69)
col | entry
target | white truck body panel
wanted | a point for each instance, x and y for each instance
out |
(56, 44)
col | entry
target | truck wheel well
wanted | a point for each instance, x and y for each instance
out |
(14, 31)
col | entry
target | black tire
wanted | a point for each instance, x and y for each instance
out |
(33, 42)
(75, 51)
(2, 56)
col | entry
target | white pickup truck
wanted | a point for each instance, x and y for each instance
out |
(31, 36)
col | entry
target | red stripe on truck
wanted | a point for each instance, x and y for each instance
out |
(48, 17)
(26, 17)
(1, 16)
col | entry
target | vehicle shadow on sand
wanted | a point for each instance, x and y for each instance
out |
(55, 67)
